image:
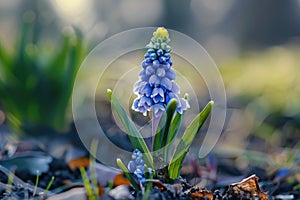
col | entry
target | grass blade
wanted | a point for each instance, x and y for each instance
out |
(36, 182)
(86, 182)
(93, 171)
(186, 141)
(49, 185)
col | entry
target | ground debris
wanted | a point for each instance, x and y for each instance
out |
(246, 189)
(197, 194)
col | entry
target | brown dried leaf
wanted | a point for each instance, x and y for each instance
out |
(79, 162)
(121, 180)
(159, 185)
(246, 189)
(198, 194)
(101, 190)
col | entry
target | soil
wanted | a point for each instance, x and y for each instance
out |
(210, 180)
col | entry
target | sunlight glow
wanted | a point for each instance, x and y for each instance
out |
(73, 8)
(76, 12)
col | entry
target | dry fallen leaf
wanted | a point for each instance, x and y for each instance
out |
(121, 180)
(196, 193)
(246, 189)
(101, 190)
(159, 185)
(79, 162)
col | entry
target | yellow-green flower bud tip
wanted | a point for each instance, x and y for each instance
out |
(161, 32)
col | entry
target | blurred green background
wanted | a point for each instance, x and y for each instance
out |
(255, 44)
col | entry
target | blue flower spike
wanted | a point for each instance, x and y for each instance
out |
(156, 86)
(136, 166)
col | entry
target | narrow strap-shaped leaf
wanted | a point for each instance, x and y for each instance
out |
(186, 141)
(134, 135)
(58, 62)
(161, 136)
(73, 62)
(175, 124)
(173, 130)
(24, 40)
(128, 175)
(5, 59)
(175, 166)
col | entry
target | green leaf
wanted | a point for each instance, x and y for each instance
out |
(175, 124)
(86, 182)
(134, 135)
(176, 165)
(128, 175)
(56, 66)
(161, 136)
(173, 130)
(5, 59)
(186, 141)
(31, 77)
(72, 62)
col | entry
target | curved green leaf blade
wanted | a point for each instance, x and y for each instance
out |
(186, 141)
(176, 165)
(175, 124)
(5, 59)
(161, 136)
(173, 130)
(134, 135)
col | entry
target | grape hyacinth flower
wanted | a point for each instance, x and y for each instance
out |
(136, 166)
(158, 92)
(156, 86)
